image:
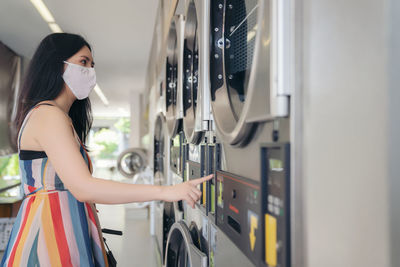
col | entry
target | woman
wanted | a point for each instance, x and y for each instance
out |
(57, 224)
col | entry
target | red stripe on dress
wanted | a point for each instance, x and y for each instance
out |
(21, 229)
(59, 232)
(31, 188)
(90, 213)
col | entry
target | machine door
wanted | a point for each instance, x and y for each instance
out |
(242, 91)
(183, 249)
(195, 91)
(173, 71)
(160, 149)
(132, 161)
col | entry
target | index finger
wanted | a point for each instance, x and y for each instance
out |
(202, 180)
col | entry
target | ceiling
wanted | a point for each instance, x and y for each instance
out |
(120, 33)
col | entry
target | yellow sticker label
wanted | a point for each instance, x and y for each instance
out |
(270, 240)
(253, 227)
(212, 198)
(204, 193)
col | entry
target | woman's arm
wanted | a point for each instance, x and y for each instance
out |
(53, 131)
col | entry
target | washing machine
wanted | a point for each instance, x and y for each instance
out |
(173, 93)
(250, 97)
(173, 102)
(173, 78)
(188, 240)
(184, 248)
(195, 93)
(164, 214)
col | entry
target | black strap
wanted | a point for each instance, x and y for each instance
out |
(111, 232)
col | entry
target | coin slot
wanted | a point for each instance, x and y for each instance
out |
(234, 224)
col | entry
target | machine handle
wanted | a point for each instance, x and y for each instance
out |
(111, 232)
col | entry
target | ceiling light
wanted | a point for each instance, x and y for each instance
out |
(101, 95)
(43, 10)
(54, 27)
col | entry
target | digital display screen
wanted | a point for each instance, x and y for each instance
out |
(275, 165)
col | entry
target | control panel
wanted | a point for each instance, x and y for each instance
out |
(276, 209)
(213, 164)
(256, 215)
(176, 151)
(195, 168)
(239, 213)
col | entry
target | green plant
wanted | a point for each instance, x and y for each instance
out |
(9, 165)
(123, 125)
(106, 142)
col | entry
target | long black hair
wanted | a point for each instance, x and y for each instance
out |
(43, 80)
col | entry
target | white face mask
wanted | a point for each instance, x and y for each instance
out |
(81, 80)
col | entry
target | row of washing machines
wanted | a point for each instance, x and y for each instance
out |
(221, 105)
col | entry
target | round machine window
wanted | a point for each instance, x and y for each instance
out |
(171, 70)
(159, 152)
(239, 42)
(190, 61)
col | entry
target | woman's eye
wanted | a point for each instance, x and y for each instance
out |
(83, 61)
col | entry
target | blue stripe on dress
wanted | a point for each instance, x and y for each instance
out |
(98, 253)
(84, 226)
(42, 171)
(80, 240)
(33, 259)
(23, 173)
(58, 184)
(28, 170)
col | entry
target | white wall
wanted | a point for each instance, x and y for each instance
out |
(136, 119)
(345, 133)
(394, 129)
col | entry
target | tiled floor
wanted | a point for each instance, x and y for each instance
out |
(135, 247)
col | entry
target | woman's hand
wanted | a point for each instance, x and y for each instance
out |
(185, 191)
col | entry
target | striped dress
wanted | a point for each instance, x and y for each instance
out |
(52, 227)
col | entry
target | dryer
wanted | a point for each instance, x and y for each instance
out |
(195, 90)
(164, 215)
(173, 102)
(188, 240)
(183, 248)
(250, 104)
(173, 75)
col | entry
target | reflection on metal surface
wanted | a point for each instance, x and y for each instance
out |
(159, 151)
(181, 250)
(131, 161)
(190, 72)
(195, 91)
(242, 92)
(171, 86)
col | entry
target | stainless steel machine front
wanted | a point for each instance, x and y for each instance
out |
(242, 88)
(164, 211)
(195, 93)
(236, 125)
(173, 79)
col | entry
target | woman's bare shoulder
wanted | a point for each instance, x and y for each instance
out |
(43, 121)
(46, 116)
